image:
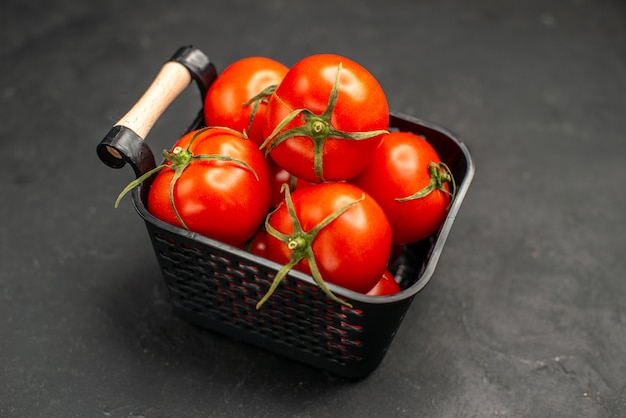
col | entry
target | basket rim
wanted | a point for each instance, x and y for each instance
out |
(348, 294)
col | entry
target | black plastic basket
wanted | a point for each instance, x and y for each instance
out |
(217, 286)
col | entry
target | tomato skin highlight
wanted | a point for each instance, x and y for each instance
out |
(352, 251)
(386, 286)
(400, 168)
(361, 106)
(219, 199)
(236, 85)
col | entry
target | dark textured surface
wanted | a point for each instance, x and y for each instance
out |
(525, 315)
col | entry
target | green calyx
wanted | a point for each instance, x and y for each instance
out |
(255, 101)
(316, 127)
(178, 160)
(440, 174)
(300, 243)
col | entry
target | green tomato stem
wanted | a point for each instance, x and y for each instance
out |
(137, 182)
(262, 97)
(440, 174)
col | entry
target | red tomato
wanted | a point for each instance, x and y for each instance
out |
(223, 200)
(404, 165)
(316, 147)
(387, 285)
(351, 251)
(258, 244)
(235, 86)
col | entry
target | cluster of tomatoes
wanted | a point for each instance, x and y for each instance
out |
(298, 165)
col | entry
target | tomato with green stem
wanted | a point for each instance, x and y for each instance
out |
(386, 286)
(333, 231)
(325, 119)
(412, 185)
(238, 97)
(214, 182)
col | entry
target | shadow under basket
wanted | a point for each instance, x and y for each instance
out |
(217, 286)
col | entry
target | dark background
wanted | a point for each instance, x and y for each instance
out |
(526, 312)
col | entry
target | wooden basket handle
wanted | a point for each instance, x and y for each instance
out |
(125, 143)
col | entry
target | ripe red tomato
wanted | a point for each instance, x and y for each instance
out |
(404, 165)
(258, 244)
(387, 285)
(224, 200)
(235, 86)
(351, 251)
(331, 136)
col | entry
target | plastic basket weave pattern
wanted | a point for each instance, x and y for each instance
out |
(217, 286)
